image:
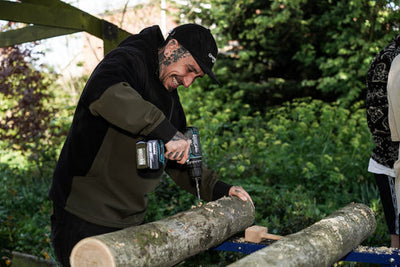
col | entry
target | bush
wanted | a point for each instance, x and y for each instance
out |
(300, 161)
(34, 119)
(280, 50)
(24, 213)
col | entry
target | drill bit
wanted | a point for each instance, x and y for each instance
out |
(198, 190)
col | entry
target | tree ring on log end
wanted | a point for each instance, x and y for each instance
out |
(91, 252)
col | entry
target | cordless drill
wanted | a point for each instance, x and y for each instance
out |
(150, 155)
(194, 161)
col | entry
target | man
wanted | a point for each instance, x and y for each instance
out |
(131, 96)
(382, 113)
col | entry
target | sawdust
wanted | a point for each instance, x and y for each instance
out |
(214, 204)
(197, 206)
(241, 239)
(210, 210)
(359, 249)
(375, 250)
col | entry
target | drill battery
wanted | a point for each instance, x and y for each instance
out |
(150, 154)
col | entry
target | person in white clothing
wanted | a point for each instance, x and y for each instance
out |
(383, 114)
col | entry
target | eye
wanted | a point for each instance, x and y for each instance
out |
(191, 69)
(196, 71)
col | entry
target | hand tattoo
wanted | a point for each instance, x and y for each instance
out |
(179, 136)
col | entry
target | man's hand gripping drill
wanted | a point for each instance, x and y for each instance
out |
(178, 148)
(188, 152)
(183, 148)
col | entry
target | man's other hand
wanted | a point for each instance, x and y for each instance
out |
(240, 193)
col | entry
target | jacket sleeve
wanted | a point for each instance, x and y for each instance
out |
(210, 187)
(125, 108)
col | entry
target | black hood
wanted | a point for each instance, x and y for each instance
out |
(150, 37)
(134, 61)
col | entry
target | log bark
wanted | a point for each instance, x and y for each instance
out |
(321, 244)
(168, 241)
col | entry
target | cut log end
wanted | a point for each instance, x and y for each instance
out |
(91, 252)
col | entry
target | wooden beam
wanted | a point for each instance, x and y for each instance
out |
(62, 17)
(168, 241)
(31, 34)
(321, 244)
(50, 3)
(112, 36)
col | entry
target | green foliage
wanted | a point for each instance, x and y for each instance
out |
(300, 161)
(288, 124)
(24, 213)
(34, 118)
(26, 115)
(313, 48)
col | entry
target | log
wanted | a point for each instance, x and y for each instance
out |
(321, 244)
(167, 241)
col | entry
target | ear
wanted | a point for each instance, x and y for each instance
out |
(171, 46)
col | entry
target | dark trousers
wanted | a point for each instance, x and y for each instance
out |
(67, 230)
(387, 193)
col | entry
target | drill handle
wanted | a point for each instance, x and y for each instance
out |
(192, 133)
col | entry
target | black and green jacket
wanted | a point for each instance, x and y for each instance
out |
(122, 103)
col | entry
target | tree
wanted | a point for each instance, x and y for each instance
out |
(278, 50)
(25, 113)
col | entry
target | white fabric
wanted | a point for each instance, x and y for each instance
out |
(393, 95)
(377, 168)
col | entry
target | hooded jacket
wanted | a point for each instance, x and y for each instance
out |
(378, 107)
(123, 102)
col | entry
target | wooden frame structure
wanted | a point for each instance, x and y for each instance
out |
(51, 18)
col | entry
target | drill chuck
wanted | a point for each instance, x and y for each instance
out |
(194, 168)
(194, 163)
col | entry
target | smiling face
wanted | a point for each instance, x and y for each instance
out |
(177, 66)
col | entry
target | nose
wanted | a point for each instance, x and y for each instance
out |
(188, 80)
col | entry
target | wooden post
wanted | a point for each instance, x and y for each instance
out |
(321, 244)
(168, 241)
